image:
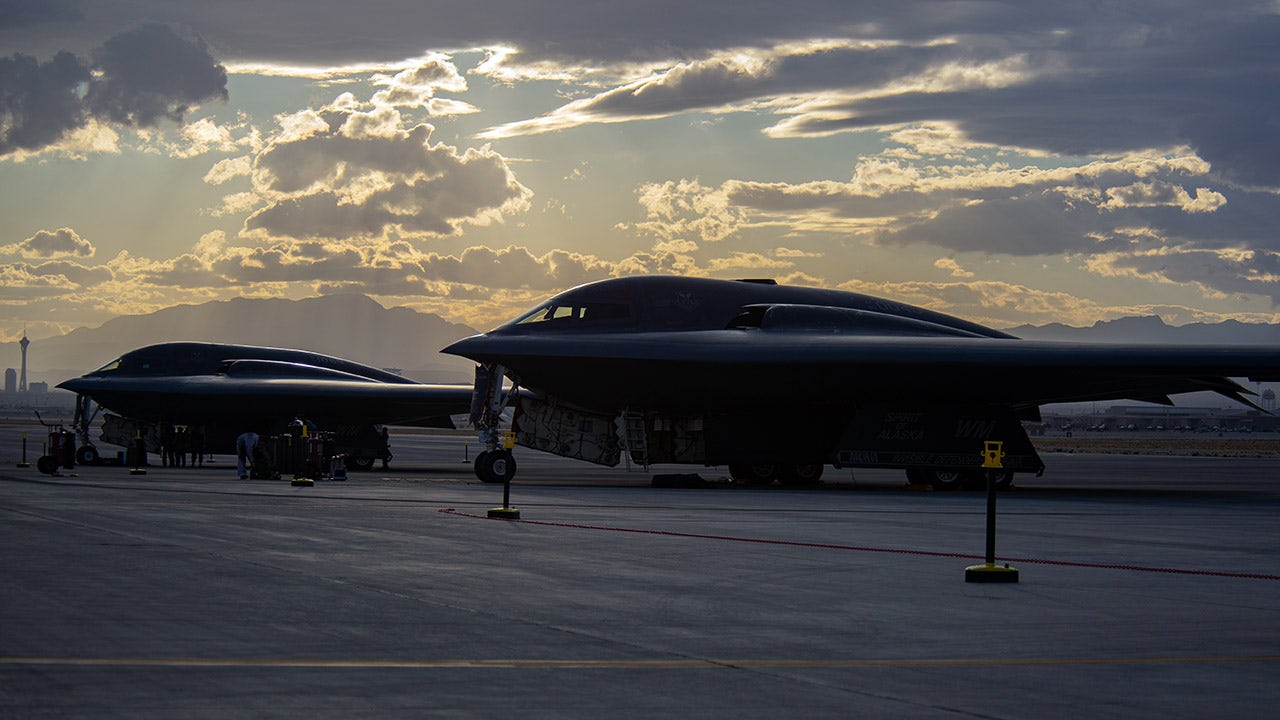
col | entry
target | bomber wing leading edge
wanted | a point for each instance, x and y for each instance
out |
(778, 381)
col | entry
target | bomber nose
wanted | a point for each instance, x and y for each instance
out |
(74, 384)
(465, 346)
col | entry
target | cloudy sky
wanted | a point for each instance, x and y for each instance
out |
(1009, 162)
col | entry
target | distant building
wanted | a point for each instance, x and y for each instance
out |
(22, 379)
(38, 388)
(10, 381)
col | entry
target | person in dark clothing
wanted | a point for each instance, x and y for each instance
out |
(195, 441)
(166, 444)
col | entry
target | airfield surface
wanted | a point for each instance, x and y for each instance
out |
(1150, 588)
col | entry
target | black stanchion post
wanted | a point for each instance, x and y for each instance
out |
(992, 456)
(298, 431)
(139, 455)
(507, 463)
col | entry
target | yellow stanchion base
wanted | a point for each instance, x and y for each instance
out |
(990, 573)
(504, 513)
(302, 482)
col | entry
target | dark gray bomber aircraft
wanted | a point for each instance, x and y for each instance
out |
(228, 389)
(776, 382)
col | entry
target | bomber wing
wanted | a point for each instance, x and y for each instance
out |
(213, 398)
(807, 368)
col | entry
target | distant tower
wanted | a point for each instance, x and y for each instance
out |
(22, 379)
(1269, 400)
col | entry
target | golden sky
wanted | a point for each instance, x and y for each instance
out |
(1007, 162)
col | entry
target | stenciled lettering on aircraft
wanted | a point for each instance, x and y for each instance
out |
(901, 426)
(928, 459)
(975, 428)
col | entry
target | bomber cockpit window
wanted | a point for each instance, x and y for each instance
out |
(109, 367)
(578, 314)
(146, 361)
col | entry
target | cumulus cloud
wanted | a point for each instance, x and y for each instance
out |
(964, 205)
(746, 261)
(153, 73)
(391, 270)
(1158, 194)
(1056, 76)
(1062, 80)
(41, 100)
(343, 173)
(228, 169)
(416, 86)
(63, 242)
(1112, 216)
(1130, 84)
(952, 267)
(1217, 272)
(136, 78)
(687, 210)
(996, 303)
(53, 279)
(1144, 146)
(736, 80)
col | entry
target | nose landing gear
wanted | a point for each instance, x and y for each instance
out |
(495, 466)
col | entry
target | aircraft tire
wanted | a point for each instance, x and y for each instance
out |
(358, 462)
(957, 479)
(801, 475)
(482, 467)
(977, 480)
(939, 479)
(87, 455)
(755, 474)
(495, 466)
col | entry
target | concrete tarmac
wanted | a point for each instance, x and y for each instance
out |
(1150, 588)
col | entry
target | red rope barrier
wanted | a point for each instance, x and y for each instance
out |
(867, 548)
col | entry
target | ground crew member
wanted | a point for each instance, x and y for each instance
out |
(245, 445)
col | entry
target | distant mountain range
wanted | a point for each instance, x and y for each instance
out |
(1152, 329)
(354, 327)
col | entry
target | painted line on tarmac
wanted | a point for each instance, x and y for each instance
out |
(871, 549)
(672, 664)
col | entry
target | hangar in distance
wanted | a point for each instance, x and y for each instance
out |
(777, 382)
(228, 389)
